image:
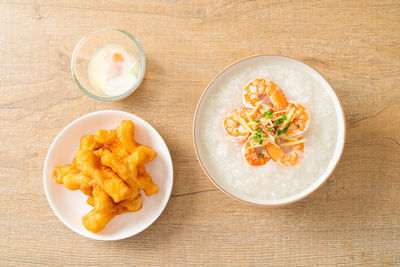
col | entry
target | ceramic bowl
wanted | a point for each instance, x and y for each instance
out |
(215, 84)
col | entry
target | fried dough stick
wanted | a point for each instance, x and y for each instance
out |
(118, 165)
(72, 179)
(141, 155)
(125, 132)
(145, 181)
(109, 138)
(105, 209)
(88, 142)
(87, 162)
(136, 161)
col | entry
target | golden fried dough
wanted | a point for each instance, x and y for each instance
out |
(118, 165)
(129, 205)
(95, 221)
(141, 155)
(72, 179)
(101, 200)
(105, 136)
(125, 132)
(89, 143)
(109, 169)
(145, 182)
(89, 164)
(90, 201)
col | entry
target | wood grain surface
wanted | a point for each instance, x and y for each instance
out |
(352, 220)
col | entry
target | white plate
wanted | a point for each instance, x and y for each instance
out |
(253, 62)
(70, 206)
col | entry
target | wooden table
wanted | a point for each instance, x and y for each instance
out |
(354, 219)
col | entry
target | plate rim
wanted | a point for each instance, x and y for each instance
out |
(99, 236)
(298, 196)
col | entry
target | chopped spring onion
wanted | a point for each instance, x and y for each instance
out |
(271, 129)
(284, 116)
(277, 122)
(268, 114)
(256, 120)
(258, 130)
(298, 126)
(290, 118)
(261, 155)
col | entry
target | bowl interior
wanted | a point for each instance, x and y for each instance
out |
(70, 206)
(232, 69)
(89, 44)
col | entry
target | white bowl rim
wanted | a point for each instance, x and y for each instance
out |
(99, 236)
(321, 180)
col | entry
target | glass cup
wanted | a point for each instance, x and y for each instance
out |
(89, 44)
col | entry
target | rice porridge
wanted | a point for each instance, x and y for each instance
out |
(224, 159)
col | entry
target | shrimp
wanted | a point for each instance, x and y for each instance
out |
(301, 120)
(257, 156)
(254, 93)
(259, 91)
(276, 96)
(233, 129)
(286, 159)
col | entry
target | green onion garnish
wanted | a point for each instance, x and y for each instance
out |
(258, 130)
(271, 129)
(279, 132)
(256, 120)
(298, 126)
(276, 123)
(284, 116)
(261, 155)
(285, 130)
(264, 135)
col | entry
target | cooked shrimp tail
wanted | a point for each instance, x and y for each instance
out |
(233, 125)
(287, 159)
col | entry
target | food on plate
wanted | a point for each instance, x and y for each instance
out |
(109, 168)
(268, 120)
(113, 69)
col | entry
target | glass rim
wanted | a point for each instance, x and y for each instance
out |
(142, 69)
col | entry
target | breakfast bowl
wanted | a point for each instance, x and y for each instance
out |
(276, 181)
(70, 206)
(108, 64)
